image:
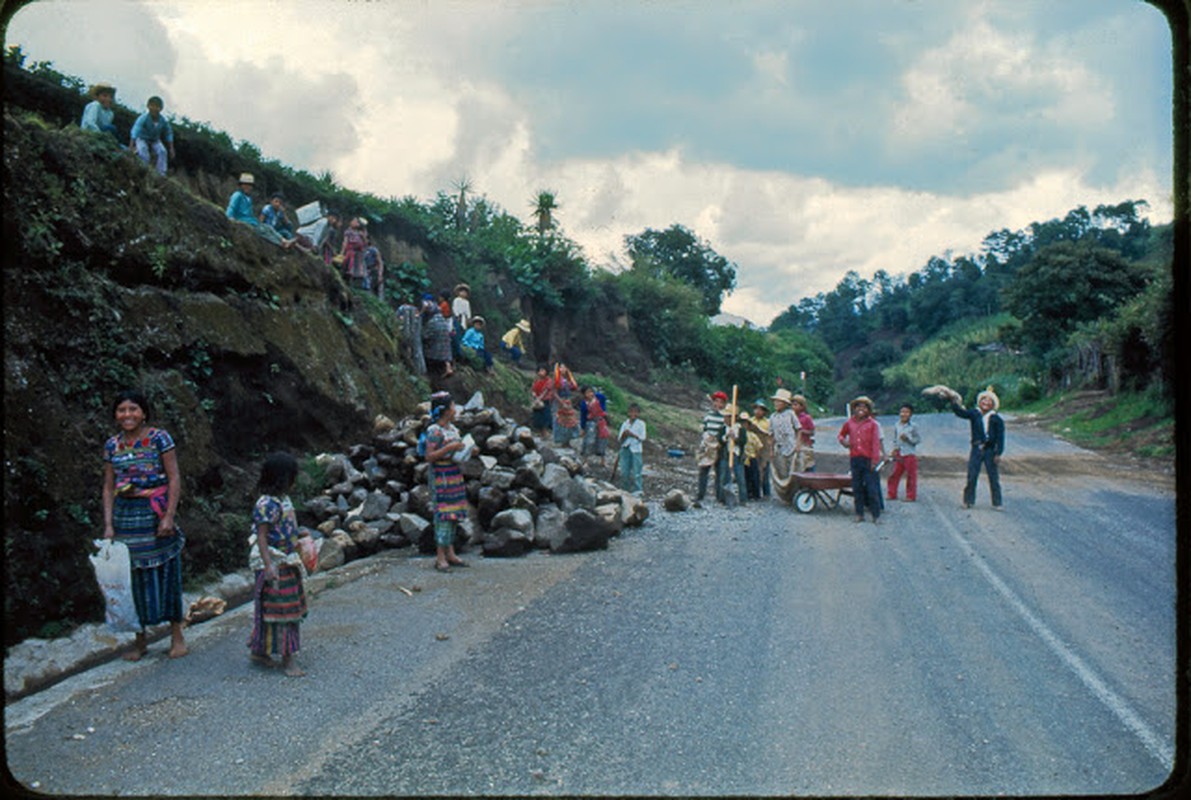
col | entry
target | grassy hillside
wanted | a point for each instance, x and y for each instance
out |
(969, 356)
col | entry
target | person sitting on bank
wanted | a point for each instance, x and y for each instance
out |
(239, 209)
(473, 342)
(98, 115)
(148, 134)
(513, 342)
(273, 215)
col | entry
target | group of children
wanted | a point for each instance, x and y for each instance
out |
(861, 434)
(760, 453)
(152, 140)
(151, 137)
(756, 453)
(563, 410)
(468, 331)
(438, 333)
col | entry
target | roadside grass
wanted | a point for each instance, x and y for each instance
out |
(1140, 423)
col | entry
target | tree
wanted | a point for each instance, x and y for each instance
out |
(1065, 284)
(677, 252)
(544, 206)
(463, 186)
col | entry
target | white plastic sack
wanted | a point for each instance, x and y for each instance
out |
(316, 231)
(309, 212)
(475, 403)
(113, 570)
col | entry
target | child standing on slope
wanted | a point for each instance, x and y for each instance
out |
(275, 558)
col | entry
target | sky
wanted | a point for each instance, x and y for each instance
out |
(799, 139)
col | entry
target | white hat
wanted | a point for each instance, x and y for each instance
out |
(524, 326)
(989, 393)
(783, 396)
(246, 177)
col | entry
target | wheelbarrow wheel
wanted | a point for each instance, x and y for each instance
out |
(805, 502)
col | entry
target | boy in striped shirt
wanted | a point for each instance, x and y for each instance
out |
(710, 443)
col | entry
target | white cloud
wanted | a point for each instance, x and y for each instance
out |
(984, 78)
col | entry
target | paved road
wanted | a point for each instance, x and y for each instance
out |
(757, 651)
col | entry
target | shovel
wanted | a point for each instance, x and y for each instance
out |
(730, 489)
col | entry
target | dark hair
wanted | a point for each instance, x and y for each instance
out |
(136, 396)
(439, 402)
(634, 407)
(278, 473)
(277, 196)
(445, 294)
(907, 405)
(155, 100)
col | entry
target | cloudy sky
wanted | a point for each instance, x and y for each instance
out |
(801, 139)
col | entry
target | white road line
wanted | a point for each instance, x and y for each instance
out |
(1157, 745)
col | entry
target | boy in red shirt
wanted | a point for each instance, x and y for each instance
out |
(862, 437)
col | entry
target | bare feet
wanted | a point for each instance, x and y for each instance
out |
(178, 649)
(262, 661)
(292, 669)
(140, 647)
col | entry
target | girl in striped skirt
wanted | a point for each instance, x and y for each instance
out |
(450, 492)
(280, 599)
(141, 487)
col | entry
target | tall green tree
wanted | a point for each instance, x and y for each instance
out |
(679, 253)
(1067, 283)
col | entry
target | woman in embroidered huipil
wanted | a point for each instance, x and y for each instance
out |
(276, 562)
(450, 491)
(141, 487)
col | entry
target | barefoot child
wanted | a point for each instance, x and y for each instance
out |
(274, 557)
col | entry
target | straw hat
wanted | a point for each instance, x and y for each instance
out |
(462, 287)
(479, 319)
(523, 326)
(798, 399)
(865, 399)
(782, 396)
(989, 393)
(246, 177)
(103, 88)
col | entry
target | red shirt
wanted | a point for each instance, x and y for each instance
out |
(861, 438)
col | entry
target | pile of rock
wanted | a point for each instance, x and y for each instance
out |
(521, 495)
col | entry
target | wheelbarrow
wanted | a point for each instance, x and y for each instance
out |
(813, 489)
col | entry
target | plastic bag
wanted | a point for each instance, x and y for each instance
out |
(113, 571)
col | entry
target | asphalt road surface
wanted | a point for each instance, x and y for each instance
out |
(751, 651)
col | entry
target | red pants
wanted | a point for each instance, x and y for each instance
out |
(909, 466)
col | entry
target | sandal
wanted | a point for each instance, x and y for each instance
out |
(460, 563)
(443, 567)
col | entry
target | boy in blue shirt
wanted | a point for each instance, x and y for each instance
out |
(473, 339)
(148, 133)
